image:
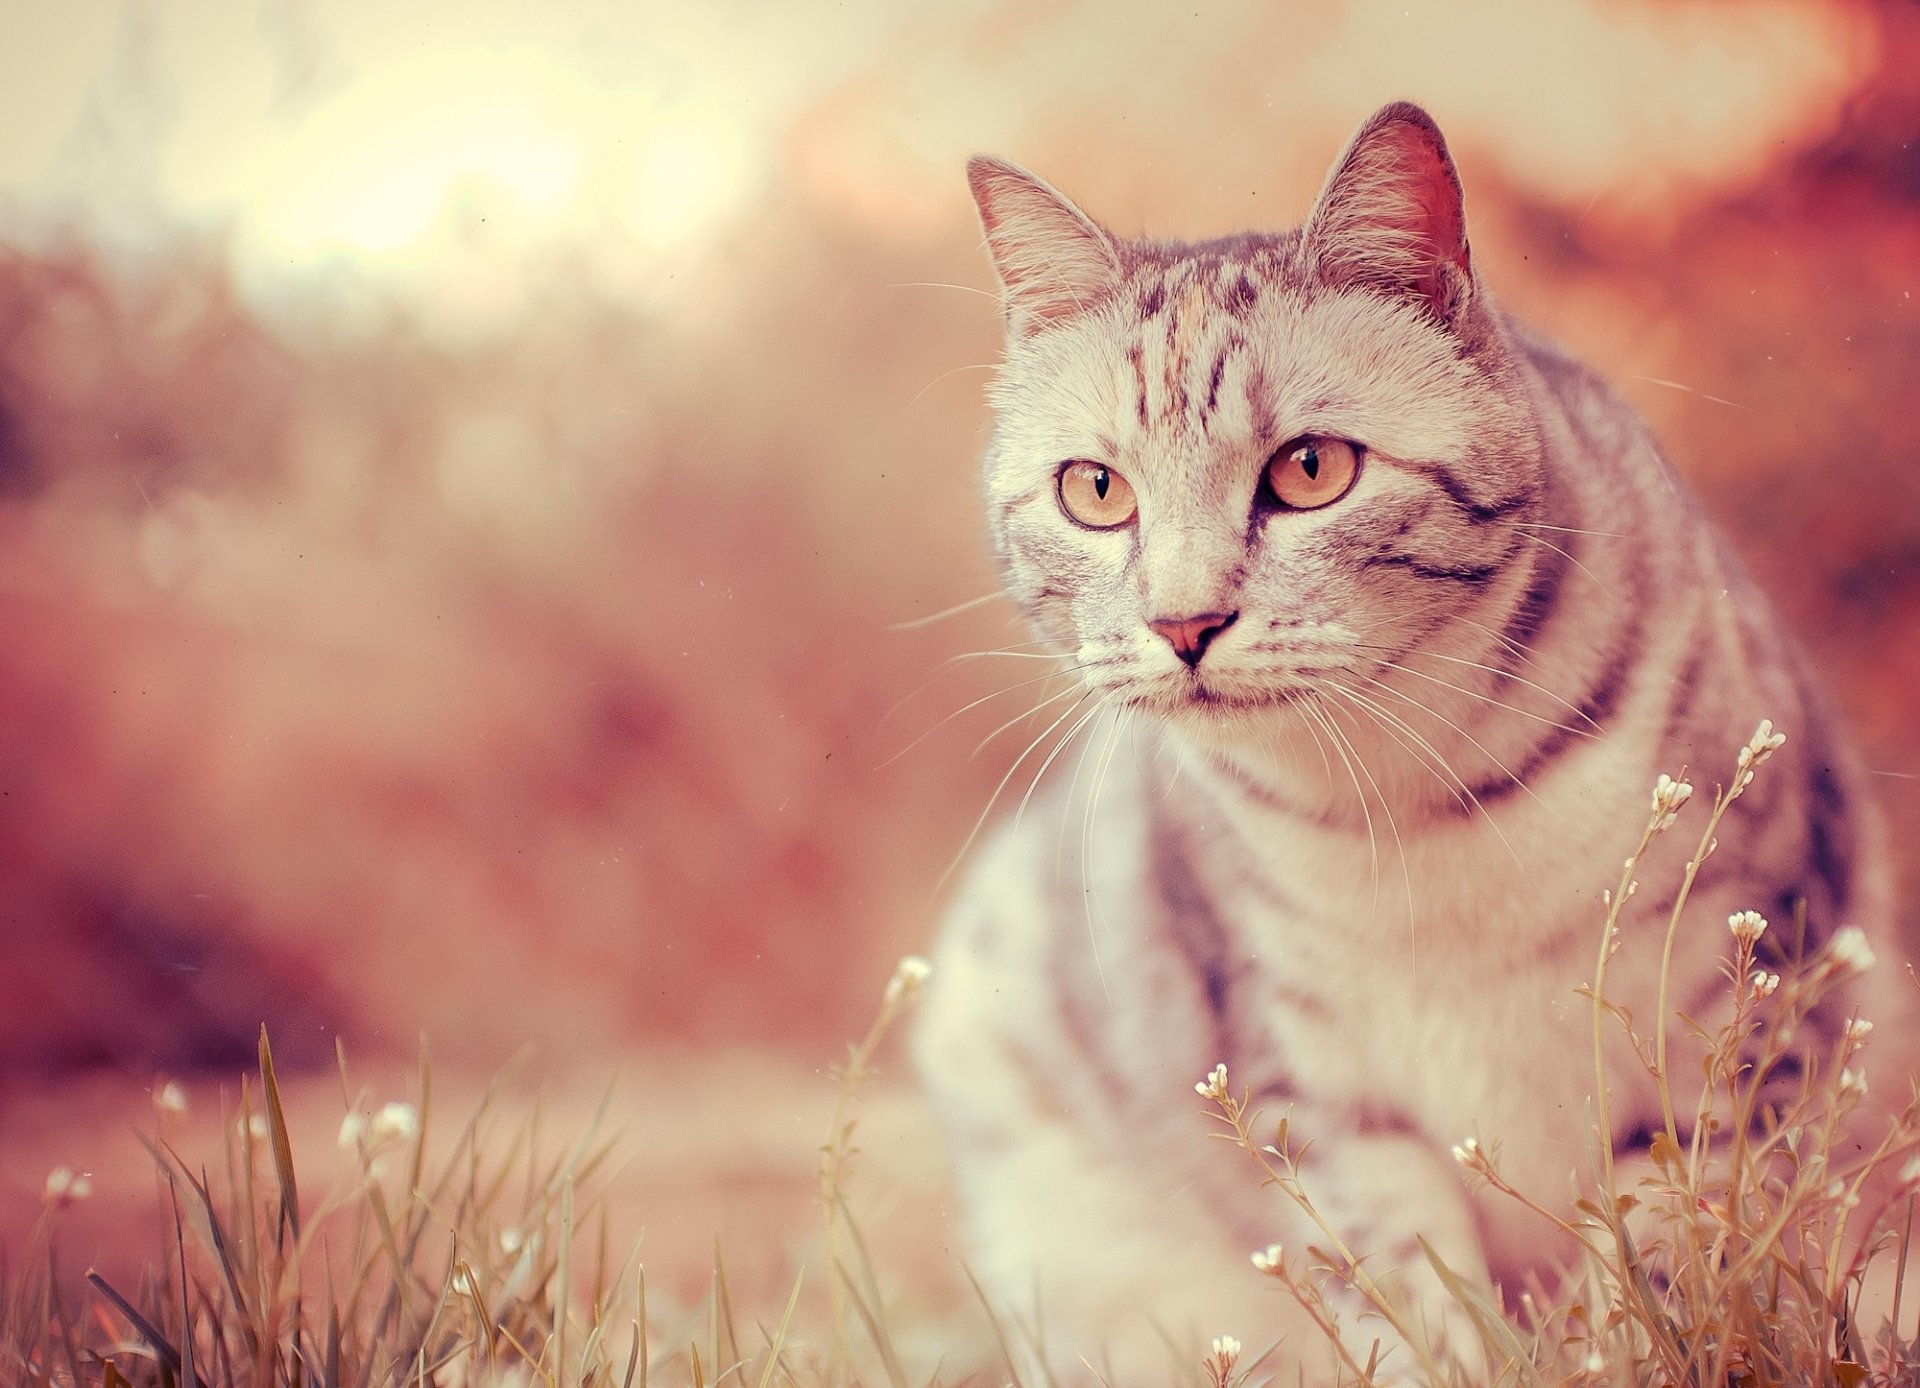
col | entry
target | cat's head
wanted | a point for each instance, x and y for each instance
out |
(1230, 472)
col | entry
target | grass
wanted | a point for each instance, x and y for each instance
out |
(494, 1264)
(491, 1265)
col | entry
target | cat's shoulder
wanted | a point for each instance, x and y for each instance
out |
(1567, 386)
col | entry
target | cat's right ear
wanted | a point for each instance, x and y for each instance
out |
(1053, 259)
(1389, 218)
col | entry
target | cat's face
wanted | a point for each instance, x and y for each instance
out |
(1227, 475)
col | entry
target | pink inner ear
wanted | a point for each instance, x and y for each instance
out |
(1391, 214)
(1050, 256)
(1433, 193)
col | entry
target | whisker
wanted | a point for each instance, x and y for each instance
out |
(970, 366)
(942, 284)
(1519, 650)
(1020, 717)
(974, 704)
(1680, 386)
(1406, 868)
(1010, 653)
(1465, 793)
(1058, 748)
(1598, 735)
(1271, 741)
(1558, 698)
(1419, 748)
(1569, 529)
(1604, 586)
(1007, 653)
(994, 798)
(916, 623)
(1319, 716)
(1478, 745)
(1086, 851)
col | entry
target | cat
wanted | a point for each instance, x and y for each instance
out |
(1392, 613)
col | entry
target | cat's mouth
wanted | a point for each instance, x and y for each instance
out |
(1194, 693)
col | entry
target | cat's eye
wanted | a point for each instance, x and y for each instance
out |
(1095, 495)
(1312, 472)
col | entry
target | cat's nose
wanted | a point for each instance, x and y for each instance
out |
(1190, 636)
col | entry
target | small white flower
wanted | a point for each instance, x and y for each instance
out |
(65, 1186)
(1838, 1191)
(1595, 1364)
(1668, 796)
(908, 975)
(170, 1098)
(1764, 983)
(462, 1282)
(1857, 1030)
(1763, 744)
(1268, 1259)
(1226, 1353)
(1850, 950)
(353, 1129)
(1853, 1084)
(1467, 1152)
(1747, 926)
(1910, 1173)
(1214, 1086)
(395, 1122)
(510, 1241)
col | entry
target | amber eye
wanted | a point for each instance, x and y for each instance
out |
(1312, 472)
(1096, 495)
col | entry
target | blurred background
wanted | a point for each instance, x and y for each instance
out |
(465, 467)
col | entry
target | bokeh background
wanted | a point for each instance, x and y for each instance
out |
(468, 471)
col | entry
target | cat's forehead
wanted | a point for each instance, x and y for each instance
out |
(1242, 347)
(1212, 354)
(1228, 273)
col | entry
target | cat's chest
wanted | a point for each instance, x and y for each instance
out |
(1438, 993)
(1446, 1041)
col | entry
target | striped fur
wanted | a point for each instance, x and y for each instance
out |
(1356, 852)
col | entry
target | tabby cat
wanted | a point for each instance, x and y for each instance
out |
(1387, 614)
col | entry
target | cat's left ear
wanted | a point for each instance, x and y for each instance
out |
(1053, 259)
(1390, 217)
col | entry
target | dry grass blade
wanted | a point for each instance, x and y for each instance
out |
(1496, 1331)
(999, 1331)
(640, 1300)
(209, 1217)
(60, 1318)
(282, 1143)
(726, 1345)
(779, 1340)
(163, 1348)
(633, 1358)
(876, 1329)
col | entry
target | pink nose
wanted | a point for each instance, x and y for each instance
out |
(1190, 636)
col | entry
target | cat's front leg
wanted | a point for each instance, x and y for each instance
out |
(1382, 1193)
